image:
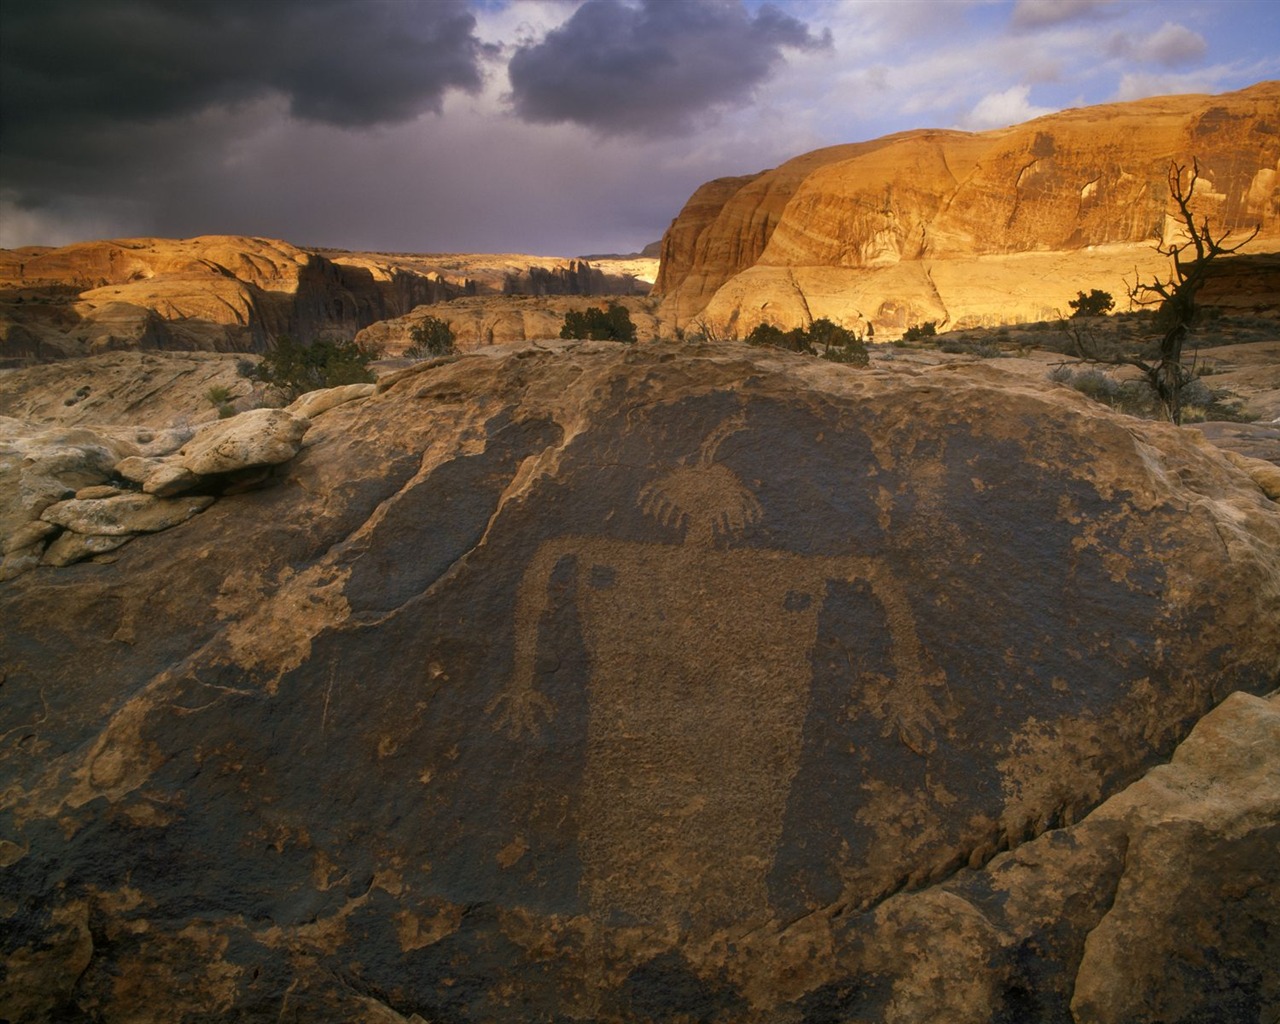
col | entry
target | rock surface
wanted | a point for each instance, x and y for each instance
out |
(163, 390)
(259, 437)
(968, 229)
(647, 683)
(107, 480)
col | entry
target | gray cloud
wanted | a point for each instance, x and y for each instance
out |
(107, 108)
(1170, 46)
(1034, 14)
(71, 66)
(653, 68)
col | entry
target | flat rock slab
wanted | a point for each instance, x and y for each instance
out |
(74, 547)
(628, 684)
(124, 513)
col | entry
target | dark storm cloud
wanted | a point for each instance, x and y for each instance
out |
(652, 68)
(70, 66)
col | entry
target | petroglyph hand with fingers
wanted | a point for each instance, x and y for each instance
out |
(520, 710)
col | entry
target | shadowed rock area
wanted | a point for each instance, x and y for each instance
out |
(652, 683)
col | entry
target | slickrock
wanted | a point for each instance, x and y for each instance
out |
(221, 293)
(260, 437)
(124, 514)
(75, 547)
(967, 229)
(86, 479)
(651, 683)
(167, 391)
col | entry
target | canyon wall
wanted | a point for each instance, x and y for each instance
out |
(968, 229)
(232, 293)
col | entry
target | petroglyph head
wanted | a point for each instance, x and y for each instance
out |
(703, 498)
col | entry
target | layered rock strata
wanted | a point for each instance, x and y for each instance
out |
(968, 229)
(71, 494)
(650, 683)
(236, 294)
(501, 320)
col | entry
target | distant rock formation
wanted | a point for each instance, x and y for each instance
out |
(970, 229)
(501, 319)
(236, 294)
(661, 683)
(577, 277)
(214, 293)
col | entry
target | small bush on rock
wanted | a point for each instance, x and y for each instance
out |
(293, 368)
(220, 398)
(1096, 303)
(431, 337)
(918, 331)
(594, 324)
(821, 338)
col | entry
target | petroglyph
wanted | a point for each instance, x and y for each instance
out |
(698, 698)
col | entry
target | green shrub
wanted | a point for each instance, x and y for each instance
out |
(431, 336)
(837, 344)
(293, 368)
(594, 324)
(220, 398)
(822, 338)
(918, 331)
(1096, 303)
(768, 334)
(1096, 385)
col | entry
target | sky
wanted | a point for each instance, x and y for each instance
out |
(553, 127)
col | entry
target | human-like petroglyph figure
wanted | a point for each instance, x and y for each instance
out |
(700, 680)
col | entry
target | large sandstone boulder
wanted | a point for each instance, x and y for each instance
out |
(643, 683)
(259, 437)
(965, 229)
(123, 514)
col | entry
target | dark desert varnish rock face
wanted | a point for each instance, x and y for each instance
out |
(655, 683)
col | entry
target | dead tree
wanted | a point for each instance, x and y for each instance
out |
(1177, 295)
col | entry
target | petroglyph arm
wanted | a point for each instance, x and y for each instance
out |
(915, 701)
(521, 708)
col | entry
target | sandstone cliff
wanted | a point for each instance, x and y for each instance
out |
(963, 228)
(501, 319)
(649, 683)
(230, 293)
